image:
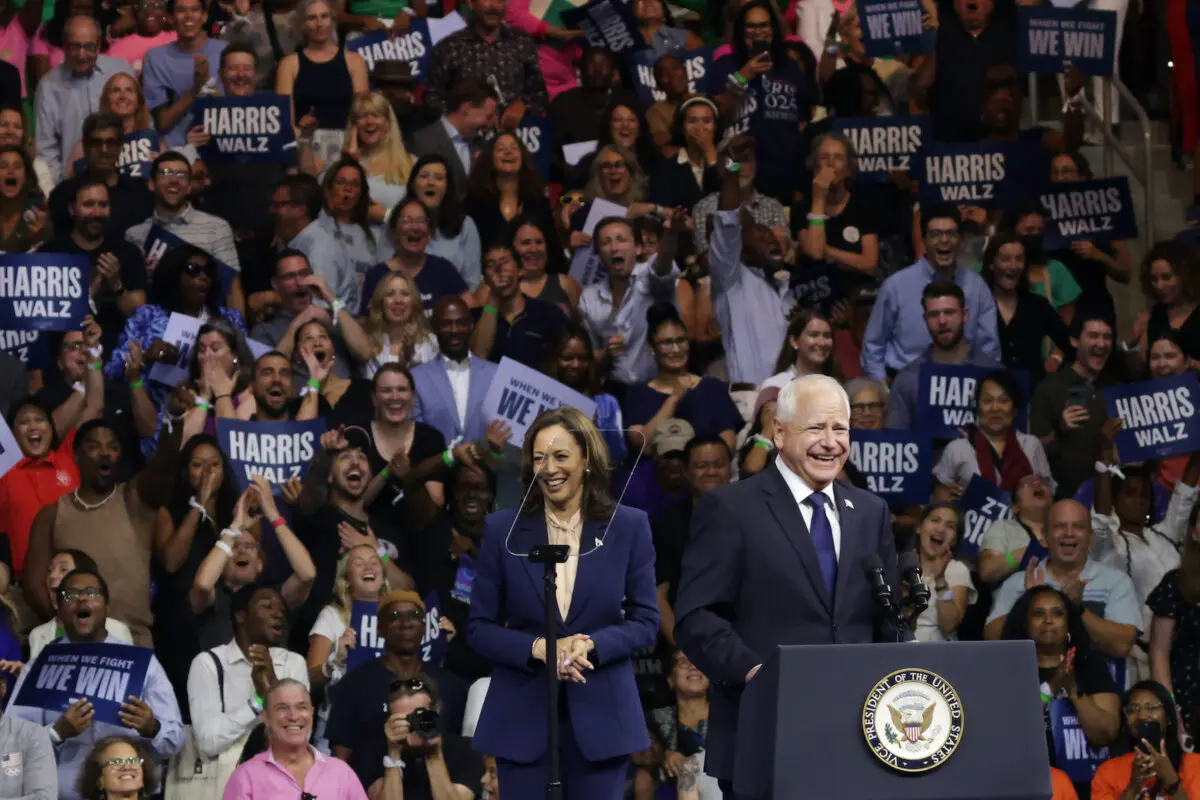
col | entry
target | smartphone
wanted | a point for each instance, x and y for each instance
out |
(1151, 732)
(758, 48)
(1079, 396)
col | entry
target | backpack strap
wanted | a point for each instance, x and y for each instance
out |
(220, 677)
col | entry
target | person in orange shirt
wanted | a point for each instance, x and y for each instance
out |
(1061, 784)
(1154, 769)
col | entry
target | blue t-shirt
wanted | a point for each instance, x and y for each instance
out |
(772, 109)
(167, 76)
(525, 340)
(437, 279)
(708, 408)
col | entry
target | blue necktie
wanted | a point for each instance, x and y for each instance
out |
(822, 538)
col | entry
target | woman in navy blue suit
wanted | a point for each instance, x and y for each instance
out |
(607, 610)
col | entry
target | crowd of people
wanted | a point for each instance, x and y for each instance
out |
(660, 266)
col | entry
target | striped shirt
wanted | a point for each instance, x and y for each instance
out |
(210, 233)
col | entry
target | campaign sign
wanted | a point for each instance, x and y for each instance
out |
(181, 331)
(1087, 210)
(817, 286)
(696, 64)
(137, 153)
(248, 130)
(1051, 39)
(278, 451)
(414, 47)
(884, 144)
(159, 241)
(31, 348)
(519, 393)
(946, 398)
(608, 24)
(43, 291)
(586, 267)
(898, 465)
(364, 619)
(1072, 753)
(534, 133)
(104, 673)
(10, 452)
(435, 641)
(981, 174)
(893, 27)
(1160, 417)
(982, 503)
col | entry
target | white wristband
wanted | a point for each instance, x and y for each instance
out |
(196, 504)
(390, 763)
(55, 739)
(224, 547)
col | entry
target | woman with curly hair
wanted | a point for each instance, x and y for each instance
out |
(117, 768)
(396, 325)
(503, 184)
(616, 176)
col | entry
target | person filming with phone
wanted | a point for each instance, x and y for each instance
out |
(423, 762)
(1157, 766)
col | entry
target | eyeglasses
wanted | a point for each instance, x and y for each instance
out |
(82, 47)
(195, 268)
(410, 685)
(132, 761)
(106, 143)
(412, 615)
(681, 341)
(71, 595)
(167, 172)
(875, 407)
(421, 221)
(74, 347)
(1133, 709)
(611, 166)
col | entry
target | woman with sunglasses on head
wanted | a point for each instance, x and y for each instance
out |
(1153, 768)
(117, 768)
(24, 221)
(455, 237)
(604, 620)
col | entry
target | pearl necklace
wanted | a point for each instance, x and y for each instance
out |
(93, 506)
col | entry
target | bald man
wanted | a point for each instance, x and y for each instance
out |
(451, 387)
(1111, 611)
(779, 559)
(71, 91)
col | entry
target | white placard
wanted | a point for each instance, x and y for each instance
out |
(10, 453)
(599, 210)
(181, 332)
(574, 153)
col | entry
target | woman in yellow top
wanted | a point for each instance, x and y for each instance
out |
(1154, 769)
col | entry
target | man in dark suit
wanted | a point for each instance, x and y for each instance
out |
(470, 110)
(778, 560)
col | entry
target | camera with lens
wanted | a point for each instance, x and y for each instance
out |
(424, 723)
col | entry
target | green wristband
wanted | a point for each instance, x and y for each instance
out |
(139, 383)
(762, 444)
(492, 449)
(313, 383)
(383, 473)
(816, 223)
(1012, 562)
(491, 310)
(448, 458)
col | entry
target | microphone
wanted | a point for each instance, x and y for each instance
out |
(918, 593)
(880, 591)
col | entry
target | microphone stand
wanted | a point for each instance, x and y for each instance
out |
(550, 556)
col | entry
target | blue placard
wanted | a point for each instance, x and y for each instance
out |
(1089, 210)
(103, 672)
(898, 465)
(137, 153)
(413, 47)
(159, 240)
(535, 134)
(1050, 39)
(982, 503)
(885, 144)
(31, 348)
(279, 451)
(248, 130)
(518, 393)
(608, 24)
(697, 64)
(1072, 753)
(946, 398)
(368, 644)
(817, 286)
(1160, 417)
(894, 27)
(435, 640)
(43, 291)
(984, 174)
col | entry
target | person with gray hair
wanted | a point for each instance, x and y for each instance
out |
(868, 403)
(770, 555)
(839, 229)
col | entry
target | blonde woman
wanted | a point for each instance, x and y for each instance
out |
(397, 326)
(373, 137)
(121, 96)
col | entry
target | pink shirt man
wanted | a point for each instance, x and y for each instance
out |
(262, 778)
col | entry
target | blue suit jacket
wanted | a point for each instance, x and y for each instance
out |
(435, 399)
(751, 581)
(614, 602)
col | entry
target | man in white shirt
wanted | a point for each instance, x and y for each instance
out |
(226, 684)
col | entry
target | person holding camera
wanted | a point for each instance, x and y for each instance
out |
(1157, 765)
(422, 762)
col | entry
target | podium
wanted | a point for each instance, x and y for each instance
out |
(804, 721)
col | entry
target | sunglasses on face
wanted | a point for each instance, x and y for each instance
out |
(124, 762)
(568, 199)
(71, 595)
(413, 615)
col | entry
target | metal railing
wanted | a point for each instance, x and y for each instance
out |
(1114, 146)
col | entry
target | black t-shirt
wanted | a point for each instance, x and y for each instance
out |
(1189, 331)
(671, 531)
(129, 199)
(133, 278)
(843, 232)
(356, 406)
(1092, 676)
(359, 710)
(427, 441)
(963, 59)
(526, 339)
(1092, 277)
(437, 279)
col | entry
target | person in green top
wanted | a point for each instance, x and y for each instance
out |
(1047, 276)
(379, 15)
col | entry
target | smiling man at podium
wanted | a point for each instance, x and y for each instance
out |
(778, 559)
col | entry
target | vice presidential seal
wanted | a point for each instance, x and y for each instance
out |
(913, 720)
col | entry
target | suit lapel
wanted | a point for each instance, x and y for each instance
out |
(782, 504)
(530, 531)
(590, 566)
(850, 552)
(475, 392)
(447, 392)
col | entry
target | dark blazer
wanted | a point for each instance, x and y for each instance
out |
(614, 602)
(751, 581)
(433, 140)
(674, 185)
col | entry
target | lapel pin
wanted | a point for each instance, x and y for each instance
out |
(599, 543)
(848, 503)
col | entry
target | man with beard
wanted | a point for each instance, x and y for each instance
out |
(171, 181)
(470, 110)
(118, 284)
(129, 200)
(450, 389)
(358, 715)
(332, 516)
(228, 682)
(946, 318)
(895, 336)
(614, 310)
(236, 561)
(152, 718)
(112, 522)
(1067, 408)
(275, 394)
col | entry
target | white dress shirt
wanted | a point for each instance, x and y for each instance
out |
(801, 492)
(459, 373)
(215, 729)
(462, 147)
